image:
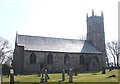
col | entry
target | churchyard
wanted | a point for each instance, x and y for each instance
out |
(57, 78)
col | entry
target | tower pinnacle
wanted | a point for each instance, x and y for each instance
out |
(87, 15)
(102, 13)
(92, 12)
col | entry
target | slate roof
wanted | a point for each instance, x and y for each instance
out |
(37, 43)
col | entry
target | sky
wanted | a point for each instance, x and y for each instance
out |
(55, 18)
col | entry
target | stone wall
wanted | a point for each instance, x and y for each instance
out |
(18, 59)
(58, 62)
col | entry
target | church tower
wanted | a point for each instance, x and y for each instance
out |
(95, 31)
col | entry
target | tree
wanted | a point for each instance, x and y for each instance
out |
(107, 60)
(113, 48)
(5, 69)
(5, 51)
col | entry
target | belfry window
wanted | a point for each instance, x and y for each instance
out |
(66, 59)
(32, 58)
(81, 60)
(49, 58)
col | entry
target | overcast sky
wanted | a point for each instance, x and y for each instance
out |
(55, 18)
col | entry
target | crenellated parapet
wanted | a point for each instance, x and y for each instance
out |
(95, 16)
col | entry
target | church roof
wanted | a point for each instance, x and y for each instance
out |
(37, 43)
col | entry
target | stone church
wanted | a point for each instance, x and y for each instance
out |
(34, 53)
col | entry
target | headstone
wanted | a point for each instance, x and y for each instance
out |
(103, 70)
(42, 77)
(46, 75)
(70, 76)
(110, 68)
(63, 75)
(11, 76)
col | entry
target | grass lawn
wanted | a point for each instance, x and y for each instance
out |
(81, 77)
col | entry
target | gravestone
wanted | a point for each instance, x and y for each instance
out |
(42, 77)
(46, 75)
(63, 75)
(103, 70)
(110, 68)
(11, 76)
(70, 76)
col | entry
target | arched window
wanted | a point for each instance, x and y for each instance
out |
(32, 58)
(96, 57)
(81, 59)
(66, 59)
(50, 59)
